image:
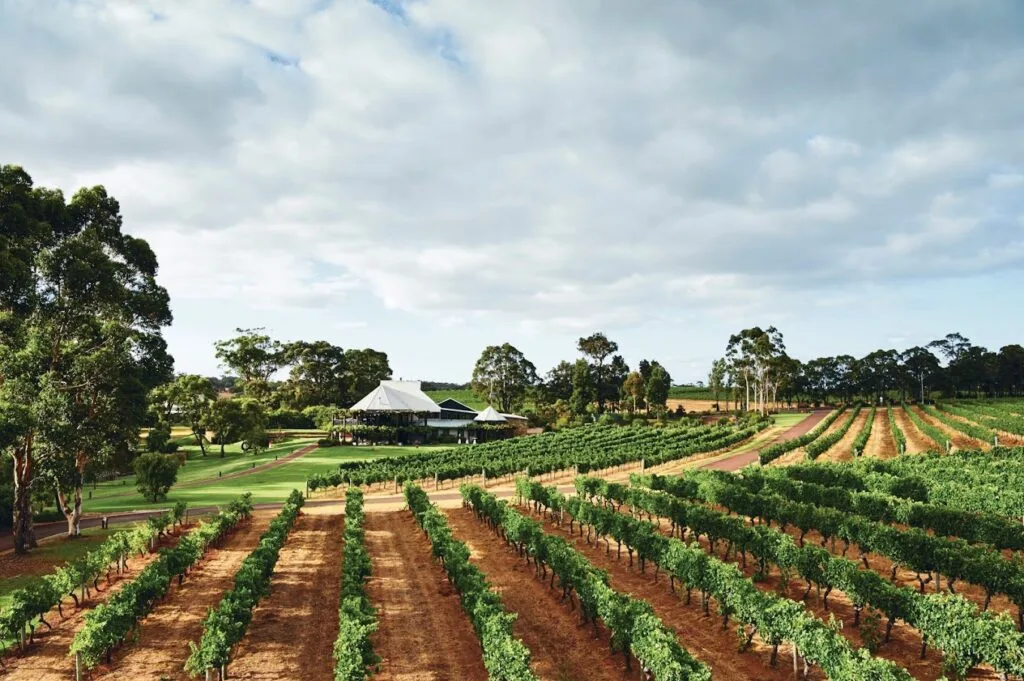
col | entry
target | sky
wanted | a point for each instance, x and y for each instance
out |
(429, 177)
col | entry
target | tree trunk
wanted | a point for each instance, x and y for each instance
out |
(199, 439)
(23, 529)
(72, 512)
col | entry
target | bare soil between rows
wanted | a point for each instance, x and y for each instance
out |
(917, 441)
(702, 635)
(881, 444)
(959, 440)
(293, 630)
(47, 658)
(162, 647)
(423, 633)
(562, 648)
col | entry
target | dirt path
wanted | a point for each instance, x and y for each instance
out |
(47, 658)
(881, 445)
(562, 648)
(843, 450)
(162, 647)
(293, 630)
(917, 441)
(960, 441)
(737, 462)
(703, 636)
(423, 633)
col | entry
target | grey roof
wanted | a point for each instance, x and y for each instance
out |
(489, 415)
(397, 396)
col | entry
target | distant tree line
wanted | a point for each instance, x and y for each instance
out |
(756, 372)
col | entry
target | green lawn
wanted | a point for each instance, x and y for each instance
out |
(789, 420)
(270, 485)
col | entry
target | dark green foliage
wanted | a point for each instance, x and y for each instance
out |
(155, 474)
(353, 650)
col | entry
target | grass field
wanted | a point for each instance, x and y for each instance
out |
(204, 486)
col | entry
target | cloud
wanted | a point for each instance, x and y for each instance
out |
(553, 165)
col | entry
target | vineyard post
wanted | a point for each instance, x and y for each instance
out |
(435, 480)
(78, 667)
(796, 655)
(995, 440)
(643, 465)
(949, 446)
(483, 476)
(396, 484)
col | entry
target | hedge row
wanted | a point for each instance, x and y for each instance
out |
(353, 650)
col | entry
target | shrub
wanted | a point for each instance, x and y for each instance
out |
(155, 475)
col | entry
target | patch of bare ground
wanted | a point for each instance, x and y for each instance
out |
(843, 450)
(293, 630)
(47, 658)
(423, 633)
(562, 648)
(903, 648)
(917, 441)
(881, 444)
(700, 634)
(162, 646)
(959, 440)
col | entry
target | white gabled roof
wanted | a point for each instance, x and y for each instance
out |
(489, 415)
(516, 417)
(397, 396)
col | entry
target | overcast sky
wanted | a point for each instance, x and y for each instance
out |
(432, 176)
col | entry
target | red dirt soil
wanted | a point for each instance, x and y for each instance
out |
(959, 440)
(737, 462)
(917, 441)
(423, 633)
(703, 636)
(47, 657)
(880, 445)
(164, 635)
(293, 630)
(563, 649)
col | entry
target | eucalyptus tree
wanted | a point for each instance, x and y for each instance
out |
(81, 347)
(503, 376)
(752, 355)
(254, 357)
